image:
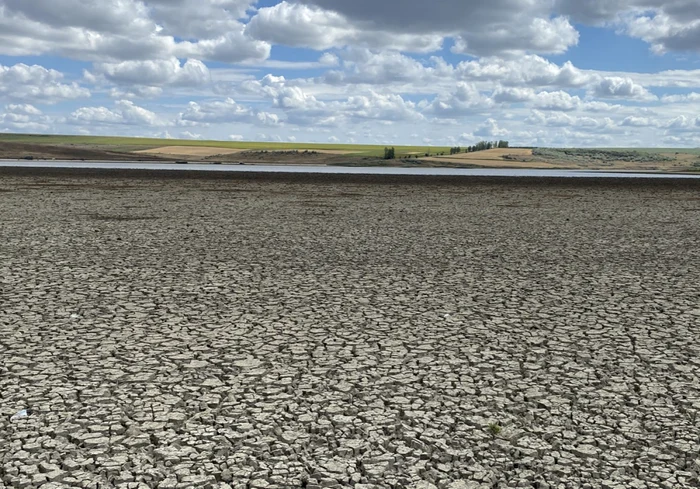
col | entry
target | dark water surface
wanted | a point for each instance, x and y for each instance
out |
(339, 170)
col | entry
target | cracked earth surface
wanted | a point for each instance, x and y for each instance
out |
(260, 334)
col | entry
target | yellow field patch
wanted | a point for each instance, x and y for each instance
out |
(202, 151)
(491, 154)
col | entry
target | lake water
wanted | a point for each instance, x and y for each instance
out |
(340, 170)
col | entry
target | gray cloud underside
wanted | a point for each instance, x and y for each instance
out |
(234, 31)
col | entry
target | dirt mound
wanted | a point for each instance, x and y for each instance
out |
(211, 151)
(16, 151)
(314, 151)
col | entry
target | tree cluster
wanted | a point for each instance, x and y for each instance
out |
(389, 153)
(485, 145)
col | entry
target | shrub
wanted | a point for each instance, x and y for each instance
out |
(495, 429)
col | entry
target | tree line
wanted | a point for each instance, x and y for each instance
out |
(480, 146)
(390, 153)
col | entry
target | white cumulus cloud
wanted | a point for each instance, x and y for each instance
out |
(36, 83)
(125, 112)
(228, 110)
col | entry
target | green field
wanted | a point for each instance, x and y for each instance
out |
(131, 144)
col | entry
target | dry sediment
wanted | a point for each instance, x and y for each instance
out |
(268, 331)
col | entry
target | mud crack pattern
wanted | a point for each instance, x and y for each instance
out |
(252, 334)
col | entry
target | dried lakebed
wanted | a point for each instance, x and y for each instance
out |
(262, 333)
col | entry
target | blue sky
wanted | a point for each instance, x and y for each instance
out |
(443, 72)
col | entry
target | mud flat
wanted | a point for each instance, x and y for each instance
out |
(336, 331)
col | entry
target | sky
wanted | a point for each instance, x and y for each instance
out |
(613, 73)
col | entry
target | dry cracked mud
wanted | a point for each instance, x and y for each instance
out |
(243, 333)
